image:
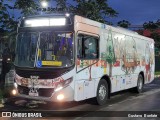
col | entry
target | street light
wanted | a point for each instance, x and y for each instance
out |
(44, 4)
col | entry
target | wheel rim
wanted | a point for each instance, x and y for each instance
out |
(102, 92)
(140, 84)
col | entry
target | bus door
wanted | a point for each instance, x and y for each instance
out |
(87, 57)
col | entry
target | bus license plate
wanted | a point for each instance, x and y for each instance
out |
(33, 94)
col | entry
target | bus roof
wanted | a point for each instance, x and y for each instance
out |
(115, 29)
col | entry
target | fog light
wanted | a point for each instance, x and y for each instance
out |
(14, 92)
(60, 97)
(8, 59)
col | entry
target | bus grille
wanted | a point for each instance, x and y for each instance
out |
(43, 92)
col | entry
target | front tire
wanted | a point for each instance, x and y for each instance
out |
(102, 92)
(139, 87)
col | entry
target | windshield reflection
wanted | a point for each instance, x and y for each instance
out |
(56, 47)
(46, 49)
(26, 49)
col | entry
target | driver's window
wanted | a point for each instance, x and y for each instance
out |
(87, 47)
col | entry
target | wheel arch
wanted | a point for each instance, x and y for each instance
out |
(106, 77)
(142, 73)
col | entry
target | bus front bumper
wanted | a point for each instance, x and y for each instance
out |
(64, 95)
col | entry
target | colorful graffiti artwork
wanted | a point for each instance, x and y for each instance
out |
(129, 55)
(109, 54)
(120, 51)
(148, 62)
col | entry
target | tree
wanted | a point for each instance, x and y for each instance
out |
(7, 21)
(9, 17)
(27, 7)
(62, 4)
(150, 25)
(158, 23)
(156, 38)
(7, 13)
(97, 10)
(124, 24)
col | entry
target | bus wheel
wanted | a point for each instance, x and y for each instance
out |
(139, 87)
(102, 92)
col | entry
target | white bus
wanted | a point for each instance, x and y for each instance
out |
(72, 58)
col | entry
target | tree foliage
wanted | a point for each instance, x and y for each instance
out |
(151, 25)
(27, 7)
(7, 21)
(124, 24)
(153, 28)
(93, 9)
(97, 10)
(156, 37)
(10, 14)
(62, 4)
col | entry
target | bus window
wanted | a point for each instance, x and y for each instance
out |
(87, 47)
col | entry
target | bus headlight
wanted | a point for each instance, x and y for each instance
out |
(1, 59)
(14, 92)
(60, 97)
(63, 84)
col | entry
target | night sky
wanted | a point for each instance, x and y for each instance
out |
(136, 11)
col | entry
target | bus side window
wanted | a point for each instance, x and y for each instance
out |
(87, 47)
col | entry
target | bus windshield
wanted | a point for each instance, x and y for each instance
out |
(55, 49)
(26, 49)
(44, 49)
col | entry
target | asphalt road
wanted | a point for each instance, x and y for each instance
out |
(121, 104)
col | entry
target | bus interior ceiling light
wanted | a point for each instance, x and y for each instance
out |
(45, 22)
